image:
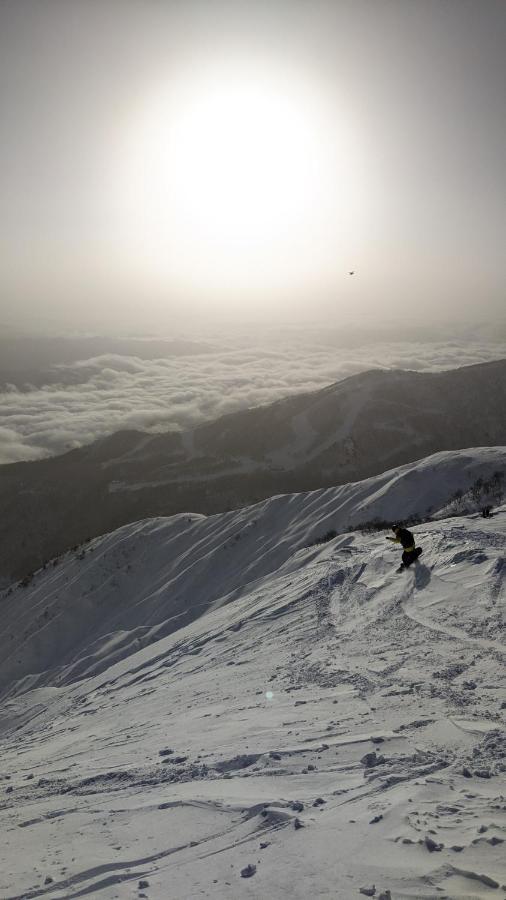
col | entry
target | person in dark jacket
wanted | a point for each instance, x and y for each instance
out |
(409, 551)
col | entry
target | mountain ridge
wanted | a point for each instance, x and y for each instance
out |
(348, 431)
(121, 563)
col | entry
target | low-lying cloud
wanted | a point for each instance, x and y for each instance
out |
(96, 397)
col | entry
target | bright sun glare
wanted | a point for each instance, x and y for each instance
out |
(237, 179)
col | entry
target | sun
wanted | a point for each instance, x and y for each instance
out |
(240, 164)
(236, 178)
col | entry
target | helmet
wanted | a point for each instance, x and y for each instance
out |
(396, 527)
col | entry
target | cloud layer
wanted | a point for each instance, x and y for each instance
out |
(98, 396)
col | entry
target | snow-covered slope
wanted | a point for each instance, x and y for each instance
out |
(183, 696)
(146, 580)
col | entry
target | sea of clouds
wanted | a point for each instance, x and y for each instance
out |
(92, 398)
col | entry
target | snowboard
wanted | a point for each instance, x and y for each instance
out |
(418, 551)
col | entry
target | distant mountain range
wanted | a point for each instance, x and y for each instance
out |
(348, 431)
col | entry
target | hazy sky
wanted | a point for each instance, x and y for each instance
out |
(173, 159)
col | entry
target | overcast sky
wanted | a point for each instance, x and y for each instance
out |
(389, 159)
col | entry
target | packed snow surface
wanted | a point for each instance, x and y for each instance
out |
(221, 707)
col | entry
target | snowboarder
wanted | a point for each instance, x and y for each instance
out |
(407, 540)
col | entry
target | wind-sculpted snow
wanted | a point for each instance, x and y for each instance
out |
(244, 713)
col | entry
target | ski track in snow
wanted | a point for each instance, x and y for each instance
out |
(319, 716)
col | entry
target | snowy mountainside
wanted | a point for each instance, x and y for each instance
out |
(263, 716)
(148, 579)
